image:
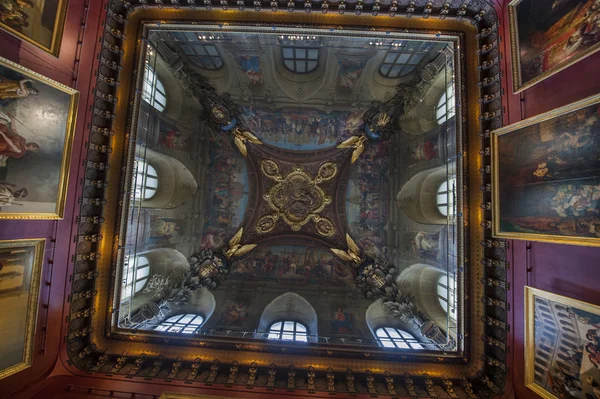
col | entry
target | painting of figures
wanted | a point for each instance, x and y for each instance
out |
(302, 128)
(563, 346)
(295, 264)
(37, 117)
(546, 176)
(39, 22)
(20, 271)
(548, 36)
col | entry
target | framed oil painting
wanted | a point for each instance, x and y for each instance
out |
(546, 176)
(39, 22)
(37, 119)
(562, 337)
(548, 36)
(20, 273)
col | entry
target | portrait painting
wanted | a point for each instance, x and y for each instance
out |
(39, 22)
(546, 176)
(37, 118)
(548, 36)
(20, 271)
(341, 323)
(562, 338)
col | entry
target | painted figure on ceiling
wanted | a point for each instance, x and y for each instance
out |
(250, 64)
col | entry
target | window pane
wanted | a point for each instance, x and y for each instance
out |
(395, 71)
(402, 58)
(218, 62)
(212, 50)
(276, 326)
(387, 343)
(416, 58)
(390, 58)
(197, 321)
(288, 52)
(140, 284)
(288, 326)
(392, 332)
(401, 344)
(301, 338)
(311, 66)
(300, 66)
(300, 327)
(300, 53)
(200, 50)
(287, 336)
(143, 272)
(385, 69)
(313, 54)
(380, 332)
(187, 49)
(290, 65)
(273, 336)
(187, 318)
(175, 329)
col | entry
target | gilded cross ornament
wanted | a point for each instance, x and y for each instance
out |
(296, 198)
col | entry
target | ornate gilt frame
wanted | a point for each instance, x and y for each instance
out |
(518, 85)
(530, 294)
(32, 302)
(57, 33)
(587, 241)
(67, 147)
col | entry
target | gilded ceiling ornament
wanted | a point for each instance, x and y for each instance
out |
(356, 142)
(235, 248)
(352, 254)
(240, 137)
(296, 198)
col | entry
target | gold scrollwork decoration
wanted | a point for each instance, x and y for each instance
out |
(327, 171)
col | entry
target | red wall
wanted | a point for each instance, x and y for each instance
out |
(74, 68)
(562, 269)
(566, 270)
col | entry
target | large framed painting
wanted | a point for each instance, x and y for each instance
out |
(39, 22)
(37, 120)
(546, 176)
(547, 37)
(20, 273)
(562, 341)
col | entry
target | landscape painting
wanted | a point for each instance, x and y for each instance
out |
(547, 37)
(20, 272)
(546, 176)
(563, 346)
(37, 118)
(39, 22)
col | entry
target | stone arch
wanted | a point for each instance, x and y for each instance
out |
(176, 184)
(292, 307)
(420, 280)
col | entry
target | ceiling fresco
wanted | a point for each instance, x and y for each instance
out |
(273, 180)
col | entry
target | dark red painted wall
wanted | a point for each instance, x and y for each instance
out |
(567, 270)
(74, 68)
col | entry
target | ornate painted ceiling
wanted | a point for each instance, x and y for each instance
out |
(289, 194)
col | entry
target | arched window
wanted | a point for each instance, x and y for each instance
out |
(403, 59)
(204, 54)
(445, 197)
(154, 91)
(145, 180)
(288, 331)
(390, 337)
(446, 292)
(446, 106)
(182, 323)
(300, 59)
(135, 276)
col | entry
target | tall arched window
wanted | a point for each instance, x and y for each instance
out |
(445, 108)
(153, 91)
(135, 276)
(300, 59)
(390, 337)
(445, 197)
(288, 331)
(446, 292)
(145, 180)
(200, 51)
(182, 324)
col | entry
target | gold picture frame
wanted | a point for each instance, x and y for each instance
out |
(563, 313)
(57, 29)
(30, 276)
(549, 131)
(47, 87)
(517, 70)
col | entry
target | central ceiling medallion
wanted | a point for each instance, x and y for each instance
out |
(297, 198)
